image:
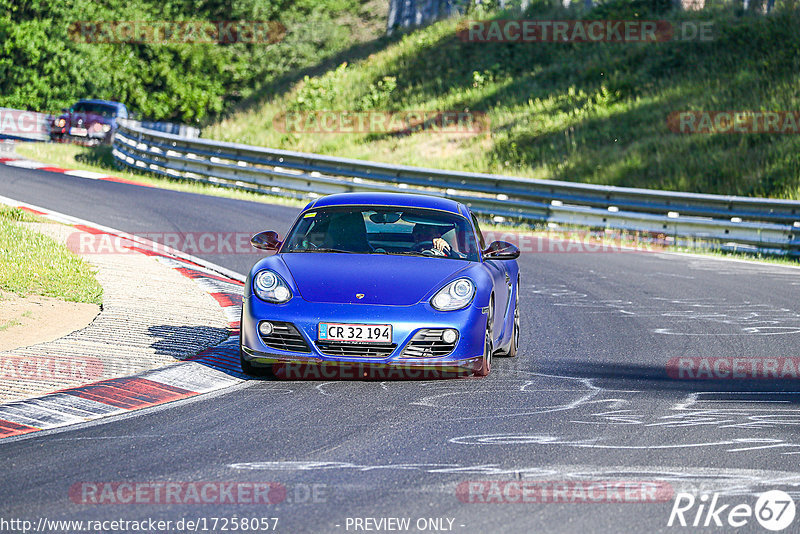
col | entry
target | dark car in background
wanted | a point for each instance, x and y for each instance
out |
(93, 121)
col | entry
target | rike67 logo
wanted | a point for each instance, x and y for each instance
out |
(774, 510)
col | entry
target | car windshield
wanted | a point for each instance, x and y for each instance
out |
(378, 230)
(98, 109)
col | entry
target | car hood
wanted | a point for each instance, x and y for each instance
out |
(88, 118)
(382, 279)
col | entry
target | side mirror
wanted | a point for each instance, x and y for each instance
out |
(266, 241)
(501, 250)
(64, 110)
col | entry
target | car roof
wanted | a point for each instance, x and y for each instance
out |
(106, 102)
(405, 200)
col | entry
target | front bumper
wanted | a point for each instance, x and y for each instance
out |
(406, 321)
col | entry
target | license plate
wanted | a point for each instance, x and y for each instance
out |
(83, 132)
(366, 333)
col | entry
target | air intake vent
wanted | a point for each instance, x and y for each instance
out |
(428, 343)
(364, 350)
(285, 336)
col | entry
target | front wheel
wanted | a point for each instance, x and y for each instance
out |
(488, 346)
(514, 346)
(251, 370)
(247, 367)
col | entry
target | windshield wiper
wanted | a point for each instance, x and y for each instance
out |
(325, 250)
(414, 253)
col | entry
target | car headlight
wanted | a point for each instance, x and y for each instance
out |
(61, 123)
(454, 296)
(106, 128)
(269, 286)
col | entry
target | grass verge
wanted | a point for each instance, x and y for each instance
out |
(34, 264)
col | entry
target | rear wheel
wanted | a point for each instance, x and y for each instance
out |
(488, 345)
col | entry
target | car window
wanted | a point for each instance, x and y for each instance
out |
(377, 230)
(481, 240)
(98, 109)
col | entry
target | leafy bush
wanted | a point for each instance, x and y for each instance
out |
(42, 68)
(319, 93)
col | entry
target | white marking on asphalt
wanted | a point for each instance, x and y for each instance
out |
(749, 331)
(321, 388)
(593, 391)
(35, 416)
(25, 164)
(539, 439)
(192, 376)
(776, 445)
(232, 313)
(87, 174)
(73, 405)
(725, 481)
(212, 285)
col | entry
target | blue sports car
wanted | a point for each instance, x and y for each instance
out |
(398, 281)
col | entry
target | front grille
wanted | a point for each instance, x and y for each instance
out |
(365, 350)
(428, 343)
(285, 336)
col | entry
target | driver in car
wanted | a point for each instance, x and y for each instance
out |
(429, 237)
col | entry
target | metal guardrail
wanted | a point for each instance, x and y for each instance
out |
(174, 128)
(766, 224)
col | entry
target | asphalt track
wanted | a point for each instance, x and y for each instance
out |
(587, 399)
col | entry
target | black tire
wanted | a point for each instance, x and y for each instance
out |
(488, 348)
(255, 371)
(248, 368)
(513, 348)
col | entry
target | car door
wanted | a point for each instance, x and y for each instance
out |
(501, 279)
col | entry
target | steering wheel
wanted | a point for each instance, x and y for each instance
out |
(427, 248)
(308, 244)
(433, 252)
